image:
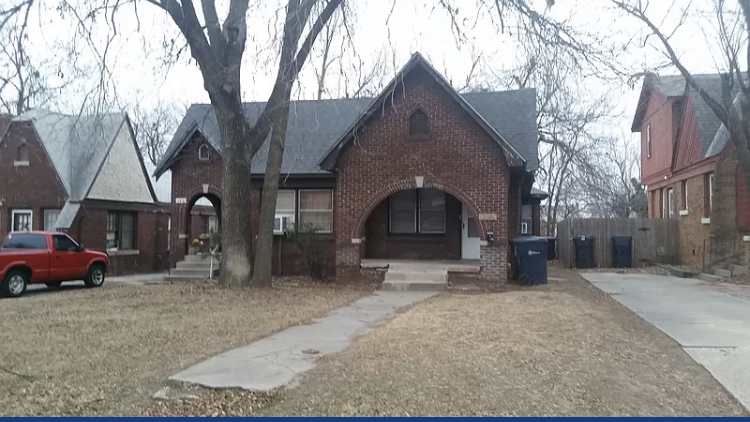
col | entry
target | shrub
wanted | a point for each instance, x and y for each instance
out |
(303, 236)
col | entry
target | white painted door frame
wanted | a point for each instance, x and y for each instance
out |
(470, 242)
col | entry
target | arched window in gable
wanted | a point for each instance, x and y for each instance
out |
(419, 127)
(204, 153)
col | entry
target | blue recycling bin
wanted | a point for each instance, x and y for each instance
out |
(530, 253)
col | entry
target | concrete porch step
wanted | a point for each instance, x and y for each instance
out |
(170, 277)
(710, 277)
(197, 258)
(738, 269)
(413, 286)
(432, 276)
(722, 272)
(197, 265)
(190, 273)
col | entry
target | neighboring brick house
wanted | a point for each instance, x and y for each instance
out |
(420, 172)
(690, 170)
(83, 175)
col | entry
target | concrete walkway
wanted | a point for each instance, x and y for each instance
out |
(712, 326)
(274, 361)
(136, 279)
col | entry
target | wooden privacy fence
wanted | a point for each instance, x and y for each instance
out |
(654, 240)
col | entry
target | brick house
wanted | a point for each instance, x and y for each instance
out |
(420, 172)
(690, 170)
(83, 175)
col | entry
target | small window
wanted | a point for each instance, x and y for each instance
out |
(684, 195)
(316, 208)
(25, 241)
(22, 220)
(121, 233)
(527, 218)
(648, 141)
(22, 154)
(708, 194)
(285, 210)
(64, 244)
(50, 220)
(670, 203)
(419, 125)
(204, 153)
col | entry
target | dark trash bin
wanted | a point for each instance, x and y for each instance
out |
(530, 253)
(622, 251)
(584, 247)
(551, 248)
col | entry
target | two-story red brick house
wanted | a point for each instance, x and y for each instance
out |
(83, 175)
(689, 168)
(420, 172)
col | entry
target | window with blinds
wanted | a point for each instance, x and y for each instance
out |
(316, 209)
(285, 210)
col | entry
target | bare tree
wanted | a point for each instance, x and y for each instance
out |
(612, 190)
(340, 72)
(23, 84)
(732, 23)
(154, 127)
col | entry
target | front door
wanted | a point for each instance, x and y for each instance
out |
(469, 235)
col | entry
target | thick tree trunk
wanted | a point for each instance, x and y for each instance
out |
(236, 225)
(264, 255)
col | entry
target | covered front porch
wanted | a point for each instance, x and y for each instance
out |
(418, 274)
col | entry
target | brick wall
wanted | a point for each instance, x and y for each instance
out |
(382, 245)
(692, 231)
(189, 175)
(659, 116)
(35, 186)
(459, 158)
(151, 254)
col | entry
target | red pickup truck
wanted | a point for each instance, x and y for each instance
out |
(47, 257)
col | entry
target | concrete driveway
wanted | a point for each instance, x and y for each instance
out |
(710, 323)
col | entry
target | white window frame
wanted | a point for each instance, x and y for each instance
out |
(524, 228)
(670, 203)
(286, 216)
(201, 149)
(711, 193)
(418, 205)
(648, 141)
(44, 216)
(333, 203)
(21, 211)
(685, 194)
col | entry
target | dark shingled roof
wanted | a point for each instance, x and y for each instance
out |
(713, 140)
(708, 123)
(316, 125)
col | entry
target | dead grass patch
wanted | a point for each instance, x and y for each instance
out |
(80, 352)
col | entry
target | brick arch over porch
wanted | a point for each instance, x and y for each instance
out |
(364, 214)
(181, 221)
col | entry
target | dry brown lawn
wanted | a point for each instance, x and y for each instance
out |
(83, 352)
(564, 349)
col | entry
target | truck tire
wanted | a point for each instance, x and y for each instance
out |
(14, 284)
(95, 277)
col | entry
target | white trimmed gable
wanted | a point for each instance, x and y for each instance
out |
(121, 177)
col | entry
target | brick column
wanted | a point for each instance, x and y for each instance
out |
(746, 244)
(494, 261)
(347, 260)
